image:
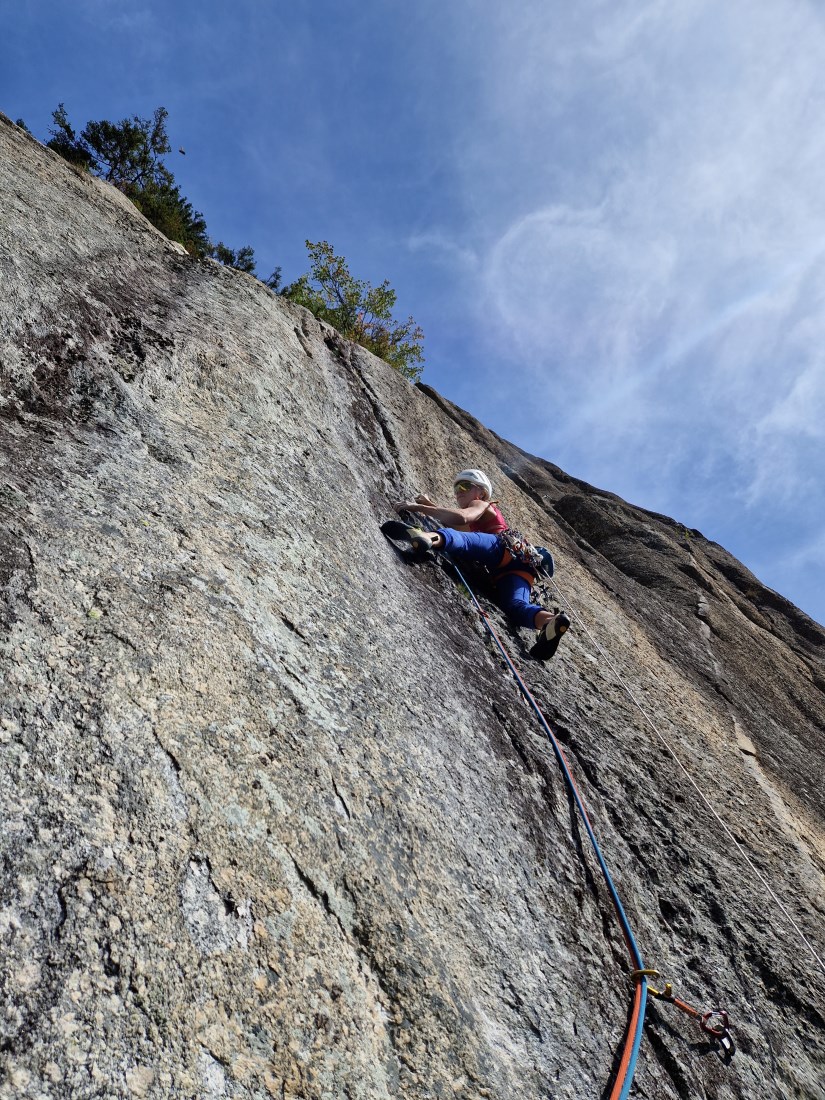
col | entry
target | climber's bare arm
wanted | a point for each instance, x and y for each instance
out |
(448, 517)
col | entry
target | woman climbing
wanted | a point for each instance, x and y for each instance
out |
(476, 531)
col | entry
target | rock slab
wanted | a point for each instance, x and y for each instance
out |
(275, 820)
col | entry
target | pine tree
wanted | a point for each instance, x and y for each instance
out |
(358, 310)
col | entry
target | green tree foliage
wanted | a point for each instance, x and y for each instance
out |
(358, 310)
(173, 214)
(242, 259)
(129, 154)
(274, 281)
(65, 141)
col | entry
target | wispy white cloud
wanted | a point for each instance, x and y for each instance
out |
(665, 290)
(121, 16)
(811, 554)
(443, 248)
(802, 412)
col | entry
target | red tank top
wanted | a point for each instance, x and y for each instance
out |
(491, 522)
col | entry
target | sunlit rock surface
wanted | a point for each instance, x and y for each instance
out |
(275, 819)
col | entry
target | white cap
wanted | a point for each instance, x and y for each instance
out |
(475, 477)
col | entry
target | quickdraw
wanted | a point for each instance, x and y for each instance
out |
(521, 548)
(538, 559)
(714, 1022)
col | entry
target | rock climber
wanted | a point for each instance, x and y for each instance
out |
(476, 531)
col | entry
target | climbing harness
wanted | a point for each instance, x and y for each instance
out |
(715, 1022)
(521, 549)
(538, 559)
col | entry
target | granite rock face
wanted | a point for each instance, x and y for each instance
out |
(275, 820)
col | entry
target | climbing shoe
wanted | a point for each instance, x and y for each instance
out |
(421, 543)
(549, 637)
(413, 543)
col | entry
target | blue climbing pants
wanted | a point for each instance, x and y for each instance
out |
(512, 592)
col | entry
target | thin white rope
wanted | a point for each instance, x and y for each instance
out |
(693, 782)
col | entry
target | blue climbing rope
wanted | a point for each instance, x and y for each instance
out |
(713, 1022)
(627, 1065)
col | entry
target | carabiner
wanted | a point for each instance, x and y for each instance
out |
(666, 994)
(715, 1022)
(647, 973)
(718, 1031)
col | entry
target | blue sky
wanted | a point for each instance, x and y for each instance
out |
(608, 217)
